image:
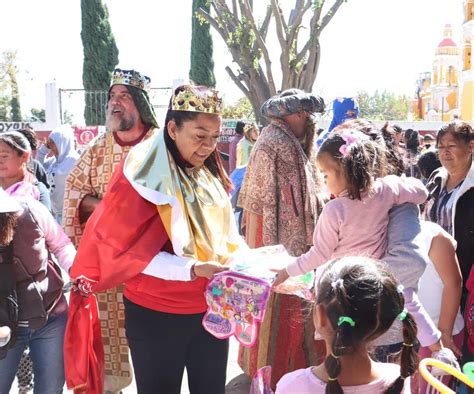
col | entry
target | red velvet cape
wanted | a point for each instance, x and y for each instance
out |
(121, 237)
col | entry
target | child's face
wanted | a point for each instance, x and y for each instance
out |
(333, 174)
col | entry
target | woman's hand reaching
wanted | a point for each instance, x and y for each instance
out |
(207, 269)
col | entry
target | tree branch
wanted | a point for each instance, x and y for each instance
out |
(245, 7)
(222, 12)
(307, 78)
(216, 25)
(314, 32)
(237, 81)
(330, 14)
(266, 23)
(235, 10)
(284, 44)
(294, 23)
(317, 11)
(279, 24)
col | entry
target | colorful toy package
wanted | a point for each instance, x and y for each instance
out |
(236, 302)
(237, 298)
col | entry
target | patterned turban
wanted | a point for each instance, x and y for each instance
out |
(292, 101)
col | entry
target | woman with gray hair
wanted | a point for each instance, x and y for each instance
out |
(451, 190)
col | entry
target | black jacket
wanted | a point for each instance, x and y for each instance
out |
(463, 216)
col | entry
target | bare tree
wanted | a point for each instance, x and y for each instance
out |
(10, 106)
(246, 40)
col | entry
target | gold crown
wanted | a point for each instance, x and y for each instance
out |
(249, 127)
(197, 99)
(131, 78)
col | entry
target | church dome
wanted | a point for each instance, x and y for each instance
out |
(447, 42)
(447, 46)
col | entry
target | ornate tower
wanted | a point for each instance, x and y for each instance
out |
(445, 78)
(466, 91)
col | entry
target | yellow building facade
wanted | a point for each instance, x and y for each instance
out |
(466, 87)
(447, 91)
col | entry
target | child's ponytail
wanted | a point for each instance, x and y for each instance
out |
(333, 369)
(341, 345)
(409, 355)
(359, 166)
(361, 299)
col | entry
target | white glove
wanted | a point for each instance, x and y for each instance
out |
(446, 356)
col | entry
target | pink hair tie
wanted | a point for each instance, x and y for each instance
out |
(351, 137)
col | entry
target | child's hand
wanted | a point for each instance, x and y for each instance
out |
(281, 277)
(446, 356)
(449, 343)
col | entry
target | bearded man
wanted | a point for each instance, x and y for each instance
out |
(130, 119)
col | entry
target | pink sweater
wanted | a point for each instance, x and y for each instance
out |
(357, 227)
(303, 381)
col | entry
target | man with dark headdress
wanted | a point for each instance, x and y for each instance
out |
(280, 203)
(130, 119)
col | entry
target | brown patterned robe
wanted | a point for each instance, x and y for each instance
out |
(280, 186)
(90, 176)
(280, 205)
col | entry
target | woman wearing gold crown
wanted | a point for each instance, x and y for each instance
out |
(164, 227)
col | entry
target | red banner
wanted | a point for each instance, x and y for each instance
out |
(83, 134)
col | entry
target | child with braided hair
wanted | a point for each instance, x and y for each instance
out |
(357, 301)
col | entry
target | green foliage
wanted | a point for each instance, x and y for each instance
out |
(38, 115)
(100, 57)
(10, 109)
(242, 109)
(68, 118)
(382, 106)
(243, 39)
(202, 64)
(4, 108)
(317, 4)
(16, 110)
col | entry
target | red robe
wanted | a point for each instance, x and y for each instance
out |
(121, 237)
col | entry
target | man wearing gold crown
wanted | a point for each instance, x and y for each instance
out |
(164, 227)
(280, 203)
(130, 119)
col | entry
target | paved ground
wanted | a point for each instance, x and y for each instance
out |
(237, 382)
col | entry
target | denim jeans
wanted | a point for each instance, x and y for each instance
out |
(46, 351)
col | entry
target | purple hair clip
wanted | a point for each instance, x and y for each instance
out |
(351, 137)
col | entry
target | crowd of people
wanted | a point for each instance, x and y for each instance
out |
(145, 216)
